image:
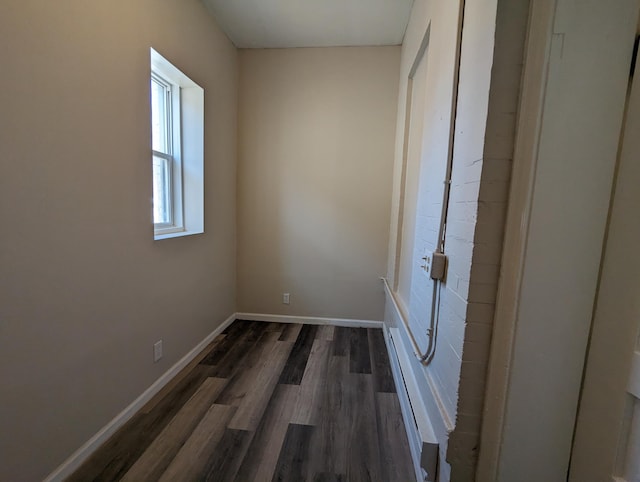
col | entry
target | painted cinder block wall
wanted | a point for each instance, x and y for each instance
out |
(490, 74)
(493, 195)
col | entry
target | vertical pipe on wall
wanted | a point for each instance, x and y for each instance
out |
(432, 332)
(426, 357)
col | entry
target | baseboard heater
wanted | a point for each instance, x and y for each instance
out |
(422, 438)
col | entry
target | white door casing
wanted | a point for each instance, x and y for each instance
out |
(607, 439)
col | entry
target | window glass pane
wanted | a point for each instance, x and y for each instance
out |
(159, 116)
(161, 190)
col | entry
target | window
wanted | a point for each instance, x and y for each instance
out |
(177, 151)
(167, 187)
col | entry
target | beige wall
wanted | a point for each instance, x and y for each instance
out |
(84, 289)
(315, 163)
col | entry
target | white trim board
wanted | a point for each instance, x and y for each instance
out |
(425, 412)
(84, 452)
(406, 409)
(310, 320)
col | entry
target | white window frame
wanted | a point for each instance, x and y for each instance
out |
(185, 134)
(173, 155)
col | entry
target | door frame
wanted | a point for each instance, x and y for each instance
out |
(534, 76)
(605, 400)
(558, 52)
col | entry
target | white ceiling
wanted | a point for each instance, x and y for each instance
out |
(311, 23)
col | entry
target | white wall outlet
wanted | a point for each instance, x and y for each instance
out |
(285, 298)
(425, 262)
(157, 351)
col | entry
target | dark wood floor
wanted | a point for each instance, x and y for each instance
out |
(268, 401)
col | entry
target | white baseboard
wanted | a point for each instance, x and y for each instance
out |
(405, 408)
(311, 320)
(422, 437)
(84, 452)
(420, 412)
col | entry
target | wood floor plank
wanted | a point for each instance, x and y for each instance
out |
(363, 454)
(239, 331)
(380, 365)
(253, 405)
(238, 326)
(313, 385)
(183, 373)
(225, 462)
(346, 443)
(153, 462)
(293, 462)
(260, 461)
(359, 360)
(325, 332)
(244, 378)
(341, 341)
(325, 477)
(290, 332)
(329, 442)
(275, 327)
(231, 361)
(191, 460)
(122, 450)
(392, 438)
(297, 362)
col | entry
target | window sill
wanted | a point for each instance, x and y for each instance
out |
(175, 234)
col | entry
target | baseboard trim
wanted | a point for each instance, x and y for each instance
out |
(422, 439)
(423, 426)
(311, 320)
(408, 417)
(84, 452)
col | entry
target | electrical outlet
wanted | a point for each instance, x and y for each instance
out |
(157, 351)
(425, 263)
(285, 298)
